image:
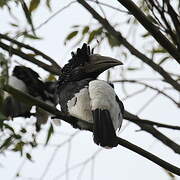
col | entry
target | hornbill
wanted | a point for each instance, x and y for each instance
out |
(27, 81)
(85, 97)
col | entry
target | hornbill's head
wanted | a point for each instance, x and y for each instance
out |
(84, 64)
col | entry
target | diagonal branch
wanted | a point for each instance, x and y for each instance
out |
(149, 86)
(72, 120)
(29, 58)
(132, 50)
(137, 120)
(37, 52)
(148, 127)
(150, 27)
(149, 156)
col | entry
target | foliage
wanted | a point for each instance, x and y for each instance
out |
(158, 52)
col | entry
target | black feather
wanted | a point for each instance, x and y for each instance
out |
(31, 79)
(104, 133)
(78, 60)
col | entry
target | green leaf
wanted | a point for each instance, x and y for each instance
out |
(75, 26)
(51, 77)
(30, 36)
(33, 5)
(91, 36)
(159, 50)
(14, 25)
(8, 127)
(163, 60)
(112, 41)
(132, 69)
(99, 31)
(48, 4)
(71, 35)
(6, 143)
(50, 132)
(27, 14)
(146, 35)
(19, 147)
(3, 3)
(85, 30)
(2, 117)
(28, 156)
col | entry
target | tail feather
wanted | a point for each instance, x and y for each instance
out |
(104, 133)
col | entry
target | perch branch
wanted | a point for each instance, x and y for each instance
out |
(72, 120)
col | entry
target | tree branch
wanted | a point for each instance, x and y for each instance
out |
(137, 120)
(37, 52)
(148, 127)
(29, 58)
(150, 27)
(72, 120)
(149, 156)
(149, 86)
(132, 50)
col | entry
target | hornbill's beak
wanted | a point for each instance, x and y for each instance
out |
(98, 63)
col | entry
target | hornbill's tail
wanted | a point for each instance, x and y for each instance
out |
(104, 133)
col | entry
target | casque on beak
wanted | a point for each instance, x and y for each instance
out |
(98, 63)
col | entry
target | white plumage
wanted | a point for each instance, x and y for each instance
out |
(98, 95)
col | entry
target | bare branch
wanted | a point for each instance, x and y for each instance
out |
(176, 22)
(133, 50)
(73, 121)
(161, 11)
(109, 6)
(150, 27)
(137, 120)
(149, 156)
(29, 58)
(55, 14)
(149, 86)
(148, 127)
(55, 153)
(37, 52)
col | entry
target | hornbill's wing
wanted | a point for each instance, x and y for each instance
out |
(107, 113)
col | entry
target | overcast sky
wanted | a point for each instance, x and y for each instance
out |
(117, 163)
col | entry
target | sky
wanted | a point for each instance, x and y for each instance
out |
(79, 157)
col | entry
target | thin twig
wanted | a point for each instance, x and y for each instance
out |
(52, 16)
(149, 156)
(79, 164)
(148, 86)
(109, 6)
(67, 160)
(56, 150)
(147, 103)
